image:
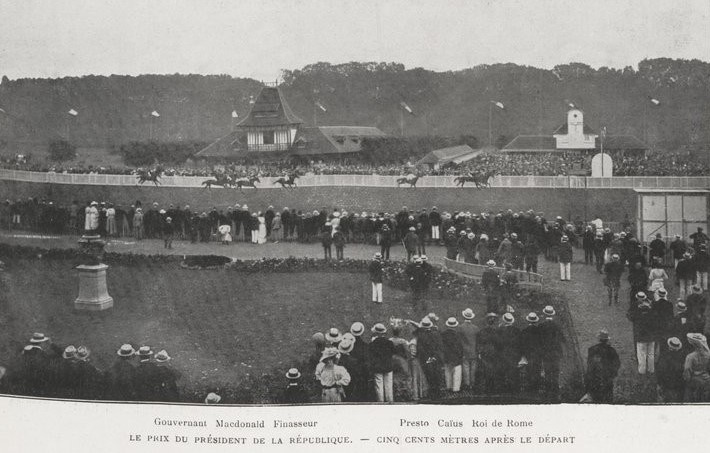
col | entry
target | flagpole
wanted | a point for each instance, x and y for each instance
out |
(490, 122)
(401, 123)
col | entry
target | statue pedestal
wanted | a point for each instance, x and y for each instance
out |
(93, 294)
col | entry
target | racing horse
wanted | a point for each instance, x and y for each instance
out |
(410, 179)
(289, 181)
(221, 180)
(481, 179)
(247, 182)
(153, 175)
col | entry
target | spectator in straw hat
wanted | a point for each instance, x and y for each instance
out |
(684, 274)
(333, 337)
(430, 354)
(167, 377)
(360, 348)
(552, 340)
(453, 355)
(669, 372)
(532, 347)
(381, 366)
(489, 347)
(65, 385)
(333, 377)
(663, 310)
(122, 375)
(646, 331)
(357, 390)
(510, 353)
(697, 305)
(89, 381)
(469, 335)
(602, 368)
(294, 393)
(375, 270)
(146, 376)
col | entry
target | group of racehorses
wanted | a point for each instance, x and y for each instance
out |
(480, 179)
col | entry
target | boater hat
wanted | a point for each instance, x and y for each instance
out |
(346, 346)
(468, 314)
(293, 374)
(532, 318)
(379, 328)
(452, 322)
(162, 356)
(126, 350)
(333, 335)
(682, 308)
(145, 352)
(82, 353)
(508, 319)
(38, 338)
(347, 336)
(674, 344)
(426, 323)
(357, 328)
(549, 311)
(69, 352)
(603, 334)
(661, 292)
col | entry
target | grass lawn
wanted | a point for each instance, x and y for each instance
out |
(220, 326)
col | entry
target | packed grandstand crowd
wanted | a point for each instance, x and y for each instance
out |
(547, 164)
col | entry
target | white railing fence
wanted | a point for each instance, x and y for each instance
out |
(559, 182)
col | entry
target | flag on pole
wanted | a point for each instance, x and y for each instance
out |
(499, 105)
(234, 114)
(73, 112)
(406, 108)
(654, 101)
(155, 114)
(321, 106)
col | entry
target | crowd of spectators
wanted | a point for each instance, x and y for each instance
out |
(45, 369)
(543, 164)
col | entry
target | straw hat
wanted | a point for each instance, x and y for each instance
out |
(333, 335)
(379, 328)
(426, 323)
(674, 344)
(38, 337)
(212, 398)
(603, 335)
(346, 346)
(293, 374)
(69, 352)
(452, 322)
(468, 314)
(532, 318)
(162, 356)
(126, 350)
(549, 310)
(82, 353)
(508, 319)
(329, 353)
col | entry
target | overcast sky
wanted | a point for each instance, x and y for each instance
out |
(258, 38)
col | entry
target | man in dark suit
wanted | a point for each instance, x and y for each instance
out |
(121, 377)
(294, 393)
(146, 376)
(602, 368)
(90, 382)
(552, 340)
(380, 354)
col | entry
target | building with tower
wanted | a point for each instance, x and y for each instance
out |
(576, 136)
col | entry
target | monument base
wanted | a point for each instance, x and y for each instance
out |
(93, 293)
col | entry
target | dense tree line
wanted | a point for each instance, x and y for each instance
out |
(116, 109)
(140, 154)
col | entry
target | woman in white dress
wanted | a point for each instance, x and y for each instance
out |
(657, 277)
(261, 236)
(225, 232)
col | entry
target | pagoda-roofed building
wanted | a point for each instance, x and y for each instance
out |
(271, 131)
